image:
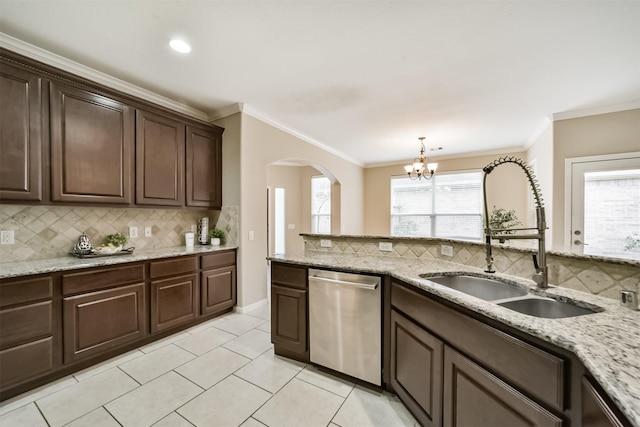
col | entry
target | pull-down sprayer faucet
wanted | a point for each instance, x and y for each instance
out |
(539, 260)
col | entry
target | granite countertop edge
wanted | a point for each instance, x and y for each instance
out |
(52, 265)
(607, 343)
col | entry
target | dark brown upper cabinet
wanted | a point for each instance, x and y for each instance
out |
(204, 167)
(20, 134)
(92, 139)
(68, 140)
(160, 148)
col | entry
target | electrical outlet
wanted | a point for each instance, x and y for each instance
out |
(133, 232)
(325, 243)
(385, 246)
(446, 250)
(147, 232)
(7, 237)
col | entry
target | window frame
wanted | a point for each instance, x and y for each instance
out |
(434, 215)
(315, 217)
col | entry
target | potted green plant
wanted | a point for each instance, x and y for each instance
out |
(503, 220)
(217, 236)
(112, 243)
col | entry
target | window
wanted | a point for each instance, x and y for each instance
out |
(604, 210)
(449, 206)
(320, 205)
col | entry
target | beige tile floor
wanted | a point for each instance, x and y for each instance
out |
(219, 373)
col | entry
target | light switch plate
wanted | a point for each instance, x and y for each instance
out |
(147, 232)
(446, 250)
(385, 246)
(7, 237)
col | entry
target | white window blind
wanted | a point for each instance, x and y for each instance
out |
(449, 205)
(320, 205)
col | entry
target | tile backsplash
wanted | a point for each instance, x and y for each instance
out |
(595, 276)
(42, 232)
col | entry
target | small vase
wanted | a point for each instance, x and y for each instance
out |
(215, 241)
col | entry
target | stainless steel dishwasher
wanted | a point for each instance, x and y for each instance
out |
(345, 323)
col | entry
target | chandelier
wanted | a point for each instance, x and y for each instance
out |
(421, 168)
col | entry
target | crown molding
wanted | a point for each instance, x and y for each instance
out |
(65, 64)
(540, 129)
(596, 111)
(238, 107)
(247, 109)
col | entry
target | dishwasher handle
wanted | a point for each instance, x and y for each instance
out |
(366, 286)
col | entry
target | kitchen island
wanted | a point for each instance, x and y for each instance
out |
(607, 343)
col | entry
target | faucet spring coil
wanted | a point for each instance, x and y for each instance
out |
(535, 186)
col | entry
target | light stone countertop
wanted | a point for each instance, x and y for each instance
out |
(607, 343)
(23, 268)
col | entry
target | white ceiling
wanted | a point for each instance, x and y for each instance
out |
(365, 78)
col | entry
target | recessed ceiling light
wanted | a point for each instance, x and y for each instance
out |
(180, 46)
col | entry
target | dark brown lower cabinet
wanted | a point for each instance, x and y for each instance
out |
(98, 321)
(475, 397)
(218, 290)
(289, 318)
(174, 301)
(416, 369)
(29, 330)
(596, 411)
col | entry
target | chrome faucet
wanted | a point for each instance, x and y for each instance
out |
(540, 259)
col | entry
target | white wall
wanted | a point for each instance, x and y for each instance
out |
(542, 152)
(261, 145)
(507, 188)
(601, 134)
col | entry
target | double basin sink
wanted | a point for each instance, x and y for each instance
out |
(511, 296)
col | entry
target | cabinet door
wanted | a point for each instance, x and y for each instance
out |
(204, 167)
(218, 289)
(159, 160)
(91, 147)
(596, 412)
(98, 321)
(20, 135)
(289, 318)
(416, 369)
(475, 397)
(174, 301)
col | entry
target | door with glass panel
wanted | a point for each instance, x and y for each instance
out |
(605, 206)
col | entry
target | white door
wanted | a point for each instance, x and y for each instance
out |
(604, 206)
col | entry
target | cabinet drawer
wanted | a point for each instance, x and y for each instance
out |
(173, 267)
(294, 276)
(22, 324)
(98, 279)
(21, 363)
(218, 260)
(521, 364)
(22, 291)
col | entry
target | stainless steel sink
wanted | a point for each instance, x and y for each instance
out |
(479, 287)
(548, 308)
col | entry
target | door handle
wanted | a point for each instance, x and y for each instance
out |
(367, 286)
(578, 242)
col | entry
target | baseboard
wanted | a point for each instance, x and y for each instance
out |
(253, 306)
